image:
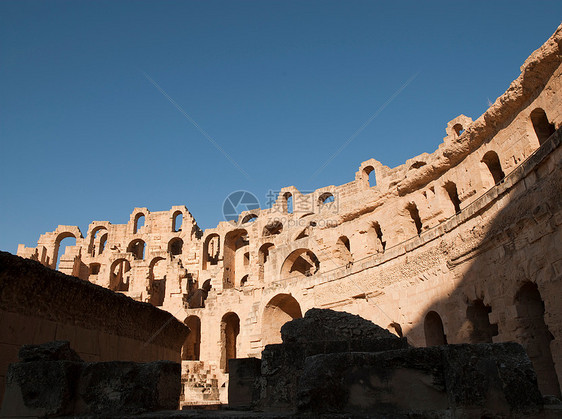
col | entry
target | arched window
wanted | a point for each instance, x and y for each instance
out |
(279, 310)
(458, 128)
(157, 284)
(244, 280)
(369, 176)
(119, 277)
(192, 345)
(211, 250)
(380, 244)
(177, 220)
(344, 247)
(325, 198)
(63, 241)
(103, 242)
(300, 262)
(175, 246)
(139, 222)
(288, 202)
(230, 328)
(492, 161)
(451, 189)
(534, 335)
(235, 241)
(263, 257)
(415, 214)
(136, 248)
(543, 128)
(433, 328)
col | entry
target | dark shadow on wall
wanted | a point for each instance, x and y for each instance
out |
(511, 283)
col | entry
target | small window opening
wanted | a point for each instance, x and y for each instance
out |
(103, 242)
(139, 222)
(458, 129)
(378, 232)
(177, 221)
(451, 189)
(543, 128)
(246, 258)
(136, 248)
(175, 246)
(415, 214)
(244, 280)
(289, 202)
(492, 160)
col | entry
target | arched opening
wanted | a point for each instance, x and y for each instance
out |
(279, 310)
(478, 328)
(458, 128)
(157, 277)
(288, 204)
(325, 198)
(211, 250)
(177, 220)
(415, 215)
(136, 248)
(451, 189)
(377, 238)
(301, 262)
(234, 243)
(433, 328)
(192, 346)
(535, 337)
(98, 239)
(369, 176)
(343, 247)
(263, 257)
(492, 161)
(120, 277)
(63, 241)
(103, 242)
(250, 218)
(138, 223)
(244, 280)
(230, 328)
(273, 228)
(175, 246)
(542, 127)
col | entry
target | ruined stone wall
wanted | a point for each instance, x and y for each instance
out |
(38, 305)
(460, 245)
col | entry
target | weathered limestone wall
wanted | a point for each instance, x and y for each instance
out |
(38, 305)
(460, 245)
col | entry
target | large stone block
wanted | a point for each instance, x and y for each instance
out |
(466, 379)
(122, 387)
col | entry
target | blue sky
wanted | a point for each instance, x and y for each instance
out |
(279, 85)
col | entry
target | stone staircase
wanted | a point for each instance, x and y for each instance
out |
(203, 384)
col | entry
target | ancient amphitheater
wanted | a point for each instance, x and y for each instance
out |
(460, 245)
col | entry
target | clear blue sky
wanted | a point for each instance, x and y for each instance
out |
(279, 85)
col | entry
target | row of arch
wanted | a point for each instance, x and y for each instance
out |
(532, 333)
(278, 311)
(140, 219)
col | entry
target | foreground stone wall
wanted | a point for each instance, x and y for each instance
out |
(458, 246)
(38, 305)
